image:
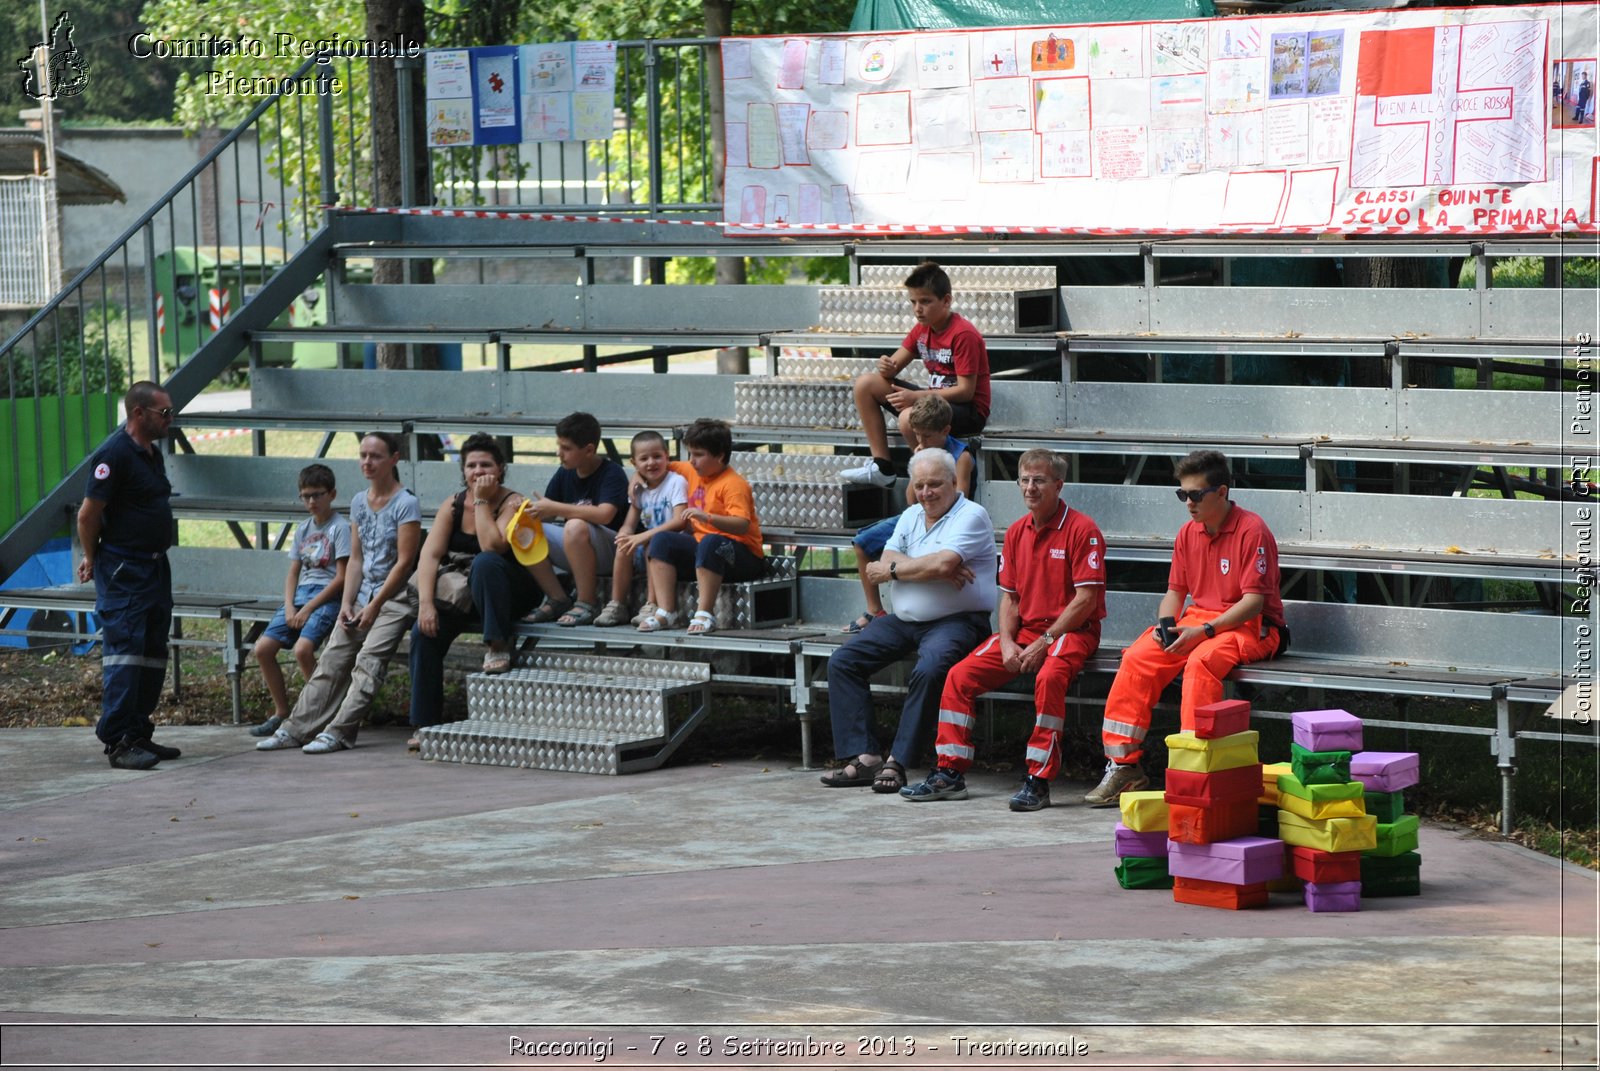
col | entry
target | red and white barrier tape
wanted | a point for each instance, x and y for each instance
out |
(950, 228)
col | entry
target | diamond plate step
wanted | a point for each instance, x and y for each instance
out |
(883, 311)
(491, 744)
(965, 277)
(804, 491)
(842, 369)
(794, 404)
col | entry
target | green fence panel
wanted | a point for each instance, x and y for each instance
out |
(47, 436)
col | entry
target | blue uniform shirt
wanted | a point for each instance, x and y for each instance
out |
(133, 484)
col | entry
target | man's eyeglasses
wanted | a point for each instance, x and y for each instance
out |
(165, 412)
(1196, 496)
(312, 496)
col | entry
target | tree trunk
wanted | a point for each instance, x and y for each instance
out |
(387, 19)
(730, 271)
(1392, 273)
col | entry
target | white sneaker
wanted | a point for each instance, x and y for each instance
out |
(278, 741)
(324, 743)
(868, 473)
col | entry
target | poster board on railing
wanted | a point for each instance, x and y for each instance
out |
(1438, 121)
(506, 94)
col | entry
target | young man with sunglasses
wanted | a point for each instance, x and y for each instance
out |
(125, 528)
(1225, 568)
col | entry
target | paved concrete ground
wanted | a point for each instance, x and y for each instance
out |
(355, 892)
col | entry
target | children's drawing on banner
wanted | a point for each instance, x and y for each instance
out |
(494, 87)
(594, 65)
(1288, 65)
(547, 116)
(735, 59)
(1310, 198)
(1116, 52)
(883, 172)
(793, 117)
(738, 142)
(1006, 156)
(828, 131)
(547, 68)
(1178, 150)
(763, 149)
(997, 55)
(943, 176)
(449, 74)
(1121, 152)
(1054, 51)
(1253, 197)
(753, 205)
(1238, 85)
(1235, 39)
(1060, 104)
(1002, 104)
(1572, 93)
(1330, 130)
(840, 202)
(1288, 134)
(792, 70)
(875, 62)
(942, 63)
(830, 62)
(1064, 154)
(1178, 101)
(1234, 140)
(883, 119)
(1178, 49)
(809, 208)
(592, 118)
(1324, 63)
(943, 119)
(1125, 102)
(450, 122)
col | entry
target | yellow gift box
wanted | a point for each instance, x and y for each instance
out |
(1318, 809)
(1329, 834)
(1269, 781)
(1188, 752)
(1144, 812)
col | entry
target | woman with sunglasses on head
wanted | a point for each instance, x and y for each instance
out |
(1222, 609)
(469, 537)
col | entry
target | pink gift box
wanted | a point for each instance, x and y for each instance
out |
(1326, 730)
(1131, 842)
(1333, 896)
(1385, 771)
(1240, 861)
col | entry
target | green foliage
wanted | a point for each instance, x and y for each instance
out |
(57, 359)
(120, 88)
(770, 271)
(1514, 272)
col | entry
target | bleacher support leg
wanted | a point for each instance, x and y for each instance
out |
(175, 654)
(233, 664)
(1505, 746)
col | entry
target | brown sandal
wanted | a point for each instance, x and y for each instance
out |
(853, 774)
(891, 777)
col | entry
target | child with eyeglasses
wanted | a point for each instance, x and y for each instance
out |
(311, 591)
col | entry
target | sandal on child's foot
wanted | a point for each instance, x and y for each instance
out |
(496, 661)
(547, 612)
(646, 612)
(661, 621)
(582, 613)
(702, 622)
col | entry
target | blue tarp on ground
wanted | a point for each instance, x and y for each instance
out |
(952, 14)
(50, 567)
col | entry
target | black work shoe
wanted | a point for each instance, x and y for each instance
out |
(160, 751)
(129, 755)
(1034, 795)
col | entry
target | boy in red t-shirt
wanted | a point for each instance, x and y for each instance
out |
(958, 371)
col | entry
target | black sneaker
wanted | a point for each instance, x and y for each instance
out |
(129, 755)
(1034, 795)
(160, 751)
(941, 784)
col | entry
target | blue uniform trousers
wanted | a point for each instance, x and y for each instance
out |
(133, 596)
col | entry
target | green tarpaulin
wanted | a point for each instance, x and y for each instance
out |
(953, 14)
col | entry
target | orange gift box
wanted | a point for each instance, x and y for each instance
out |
(1219, 893)
(1188, 824)
(1221, 719)
(1320, 867)
(1269, 781)
(1209, 789)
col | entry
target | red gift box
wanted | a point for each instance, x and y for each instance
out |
(1187, 824)
(1219, 786)
(1218, 893)
(1324, 868)
(1221, 719)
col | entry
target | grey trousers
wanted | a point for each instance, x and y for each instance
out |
(350, 670)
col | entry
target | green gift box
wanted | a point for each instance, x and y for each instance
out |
(1140, 872)
(1319, 767)
(1388, 806)
(1398, 875)
(1397, 838)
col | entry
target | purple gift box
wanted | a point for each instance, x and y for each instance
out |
(1240, 861)
(1333, 895)
(1130, 842)
(1385, 771)
(1327, 730)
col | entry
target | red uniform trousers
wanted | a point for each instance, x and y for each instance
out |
(1146, 669)
(984, 670)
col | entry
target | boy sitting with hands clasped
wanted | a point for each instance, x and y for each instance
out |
(658, 502)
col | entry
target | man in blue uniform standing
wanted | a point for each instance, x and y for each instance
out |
(125, 528)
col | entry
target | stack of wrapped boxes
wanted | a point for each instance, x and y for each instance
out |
(1213, 779)
(1392, 867)
(1321, 812)
(1141, 841)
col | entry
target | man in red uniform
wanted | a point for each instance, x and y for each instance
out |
(1052, 597)
(1225, 563)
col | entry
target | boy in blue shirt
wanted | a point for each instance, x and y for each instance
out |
(582, 508)
(311, 591)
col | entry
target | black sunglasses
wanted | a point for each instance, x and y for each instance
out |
(1195, 496)
(165, 412)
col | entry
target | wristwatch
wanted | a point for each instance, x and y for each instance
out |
(892, 575)
(1209, 629)
(1050, 637)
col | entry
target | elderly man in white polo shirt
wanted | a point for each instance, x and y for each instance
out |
(940, 567)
